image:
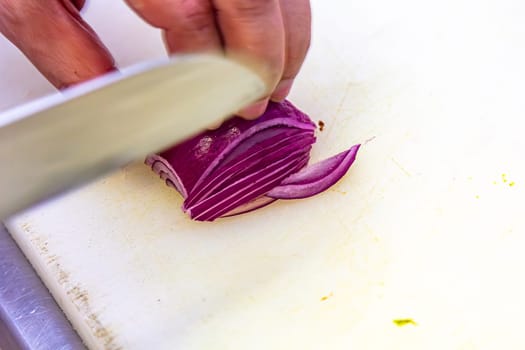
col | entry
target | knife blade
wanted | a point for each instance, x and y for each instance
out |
(58, 142)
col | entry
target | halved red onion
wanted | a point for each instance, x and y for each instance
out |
(247, 164)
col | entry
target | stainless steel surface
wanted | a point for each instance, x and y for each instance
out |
(61, 141)
(29, 317)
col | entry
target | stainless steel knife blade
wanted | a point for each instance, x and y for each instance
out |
(58, 142)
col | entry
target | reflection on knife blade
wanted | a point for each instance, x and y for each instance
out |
(58, 142)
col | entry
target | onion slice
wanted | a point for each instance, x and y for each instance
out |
(315, 178)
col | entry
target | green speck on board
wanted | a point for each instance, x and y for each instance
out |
(401, 322)
(512, 183)
(327, 296)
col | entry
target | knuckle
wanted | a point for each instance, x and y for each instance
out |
(12, 10)
(18, 12)
(198, 17)
(252, 8)
(15, 15)
(9, 6)
(195, 15)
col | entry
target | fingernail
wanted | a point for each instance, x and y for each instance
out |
(254, 110)
(282, 90)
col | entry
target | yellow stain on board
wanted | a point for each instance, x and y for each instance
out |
(401, 322)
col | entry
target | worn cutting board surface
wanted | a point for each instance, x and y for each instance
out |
(420, 246)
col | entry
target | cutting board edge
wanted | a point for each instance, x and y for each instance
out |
(48, 277)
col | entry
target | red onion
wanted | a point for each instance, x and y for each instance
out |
(247, 164)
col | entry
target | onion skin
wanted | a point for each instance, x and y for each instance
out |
(247, 164)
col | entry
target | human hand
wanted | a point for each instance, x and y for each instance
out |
(276, 33)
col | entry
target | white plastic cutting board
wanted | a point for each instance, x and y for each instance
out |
(427, 229)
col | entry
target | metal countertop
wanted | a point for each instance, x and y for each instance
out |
(29, 316)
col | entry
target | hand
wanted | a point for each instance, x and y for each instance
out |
(52, 34)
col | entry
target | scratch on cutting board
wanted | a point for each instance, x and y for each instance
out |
(345, 96)
(370, 139)
(77, 296)
(339, 191)
(339, 108)
(406, 172)
(63, 276)
(51, 258)
(26, 227)
(80, 298)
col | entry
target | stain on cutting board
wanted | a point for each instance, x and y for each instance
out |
(78, 296)
(401, 322)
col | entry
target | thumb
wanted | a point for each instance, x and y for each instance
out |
(53, 36)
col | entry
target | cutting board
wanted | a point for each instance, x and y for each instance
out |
(419, 246)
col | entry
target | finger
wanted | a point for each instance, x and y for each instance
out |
(55, 39)
(297, 25)
(189, 26)
(253, 29)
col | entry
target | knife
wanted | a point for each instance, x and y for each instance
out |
(60, 141)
